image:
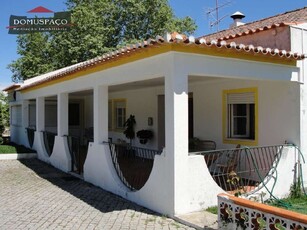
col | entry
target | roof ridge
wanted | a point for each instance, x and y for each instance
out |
(248, 25)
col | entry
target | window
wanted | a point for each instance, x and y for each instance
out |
(16, 116)
(241, 113)
(117, 114)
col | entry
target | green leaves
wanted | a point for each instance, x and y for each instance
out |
(99, 27)
(34, 58)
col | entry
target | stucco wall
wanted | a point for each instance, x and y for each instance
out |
(278, 115)
(298, 44)
(141, 103)
(278, 37)
(278, 110)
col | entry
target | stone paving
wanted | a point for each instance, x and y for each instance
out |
(34, 195)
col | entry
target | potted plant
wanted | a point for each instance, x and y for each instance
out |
(129, 128)
(144, 135)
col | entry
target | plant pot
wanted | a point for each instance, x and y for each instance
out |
(143, 141)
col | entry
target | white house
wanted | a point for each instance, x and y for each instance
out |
(179, 88)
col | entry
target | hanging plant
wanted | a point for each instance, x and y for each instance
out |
(144, 135)
(129, 128)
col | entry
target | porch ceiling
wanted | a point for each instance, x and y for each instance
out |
(156, 82)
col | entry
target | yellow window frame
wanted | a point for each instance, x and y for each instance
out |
(246, 142)
(113, 113)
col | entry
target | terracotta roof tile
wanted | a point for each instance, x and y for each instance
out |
(11, 87)
(159, 41)
(288, 18)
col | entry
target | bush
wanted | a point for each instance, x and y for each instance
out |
(1, 121)
(296, 190)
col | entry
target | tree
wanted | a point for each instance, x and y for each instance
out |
(100, 26)
(34, 57)
(4, 112)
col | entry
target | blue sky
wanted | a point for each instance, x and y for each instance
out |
(254, 10)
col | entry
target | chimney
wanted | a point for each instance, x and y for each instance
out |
(237, 19)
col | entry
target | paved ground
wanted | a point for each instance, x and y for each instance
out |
(34, 195)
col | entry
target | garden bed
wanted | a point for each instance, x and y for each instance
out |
(298, 204)
(235, 212)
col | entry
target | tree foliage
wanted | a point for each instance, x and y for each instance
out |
(100, 26)
(35, 59)
(4, 112)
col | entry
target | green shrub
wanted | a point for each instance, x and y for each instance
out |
(296, 190)
(212, 209)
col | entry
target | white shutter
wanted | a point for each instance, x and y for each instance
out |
(241, 98)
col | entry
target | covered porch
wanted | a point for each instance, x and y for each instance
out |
(187, 97)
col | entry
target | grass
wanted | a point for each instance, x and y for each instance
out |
(298, 204)
(14, 148)
(212, 209)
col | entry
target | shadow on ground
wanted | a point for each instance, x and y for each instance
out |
(96, 197)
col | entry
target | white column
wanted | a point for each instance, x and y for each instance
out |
(100, 114)
(98, 161)
(40, 114)
(25, 113)
(40, 126)
(60, 157)
(176, 134)
(25, 121)
(62, 114)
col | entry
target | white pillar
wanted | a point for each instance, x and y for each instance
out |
(98, 161)
(62, 114)
(176, 134)
(25, 122)
(25, 113)
(40, 126)
(100, 114)
(40, 114)
(60, 157)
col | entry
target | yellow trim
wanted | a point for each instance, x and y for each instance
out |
(113, 115)
(224, 111)
(153, 50)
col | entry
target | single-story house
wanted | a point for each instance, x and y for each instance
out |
(243, 100)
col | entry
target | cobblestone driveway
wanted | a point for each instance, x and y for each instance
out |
(34, 195)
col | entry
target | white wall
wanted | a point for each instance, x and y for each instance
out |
(299, 44)
(278, 110)
(141, 103)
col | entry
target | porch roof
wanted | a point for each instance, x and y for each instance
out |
(171, 42)
(11, 87)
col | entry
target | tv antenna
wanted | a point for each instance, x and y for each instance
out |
(213, 14)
